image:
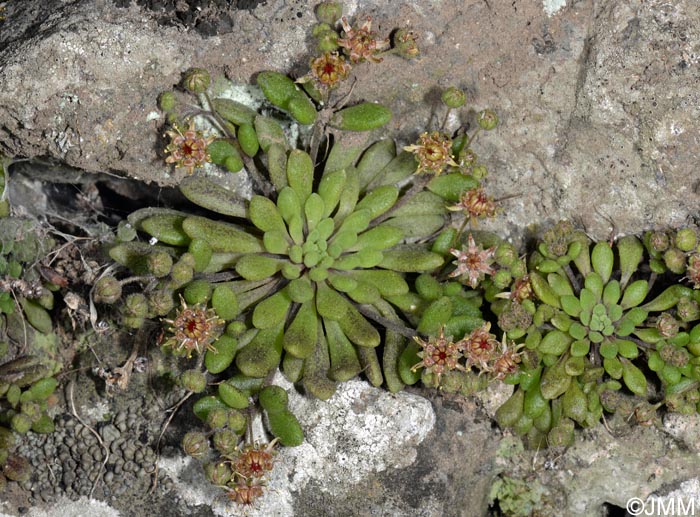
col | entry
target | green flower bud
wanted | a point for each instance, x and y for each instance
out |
(32, 410)
(7, 439)
(320, 29)
(133, 322)
(182, 271)
(21, 423)
(108, 290)
(195, 444)
(479, 172)
(218, 474)
(487, 119)
(405, 43)
(675, 260)
(125, 232)
(136, 305)
(505, 254)
(236, 328)
(226, 441)
(159, 264)
(502, 279)
(467, 158)
(217, 418)
(328, 41)
(686, 239)
(518, 269)
(193, 380)
(161, 302)
(237, 421)
(196, 80)
(687, 309)
(167, 101)
(329, 12)
(659, 242)
(667, 325)
(562, 435)
(453, 97)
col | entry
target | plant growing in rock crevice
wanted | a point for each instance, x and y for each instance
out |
(592, 328)
(324, 272)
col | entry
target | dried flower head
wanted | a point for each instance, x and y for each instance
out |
(522, 289)
(405, 43)
(329, 69)
(254, 461)
(479, 347)
(193, 329)
(433, 152)
(439, 355)
(473, 263)
(245, 491)
(693, 271)
(507, 362)
(360, 43)
(188, 147)
(475, 203)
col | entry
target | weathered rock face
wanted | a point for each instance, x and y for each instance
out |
(597, 100)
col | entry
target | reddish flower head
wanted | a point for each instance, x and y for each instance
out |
(433, 152)
(360, 43)
(479, 347)
(328, 70)
(473, 263)
(475, 203)
(193, 329)
(439, 355)
(188, 148)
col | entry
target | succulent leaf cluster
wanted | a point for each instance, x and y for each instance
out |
(595, 325)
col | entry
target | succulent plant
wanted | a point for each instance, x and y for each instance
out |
(592, 327)
(326, 272)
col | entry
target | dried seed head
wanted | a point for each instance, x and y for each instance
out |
(254, 461)
(473, 263)
(188, 147)
(479, 347)
(329, 69)
(438, 355)
(193, 329)
(360, 43)
(196, 80)
(433, 152)
(475, 204)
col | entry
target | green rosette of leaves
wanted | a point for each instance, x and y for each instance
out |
(318, 273)
(593, 329)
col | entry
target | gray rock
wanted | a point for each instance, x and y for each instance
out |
(597, 100)
(357, 433)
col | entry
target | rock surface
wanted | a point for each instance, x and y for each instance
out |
(597, 99)
(598, 102)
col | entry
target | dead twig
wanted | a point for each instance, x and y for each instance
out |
(173, 411)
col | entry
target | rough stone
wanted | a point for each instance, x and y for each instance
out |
(597, 99)
(358, 432)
